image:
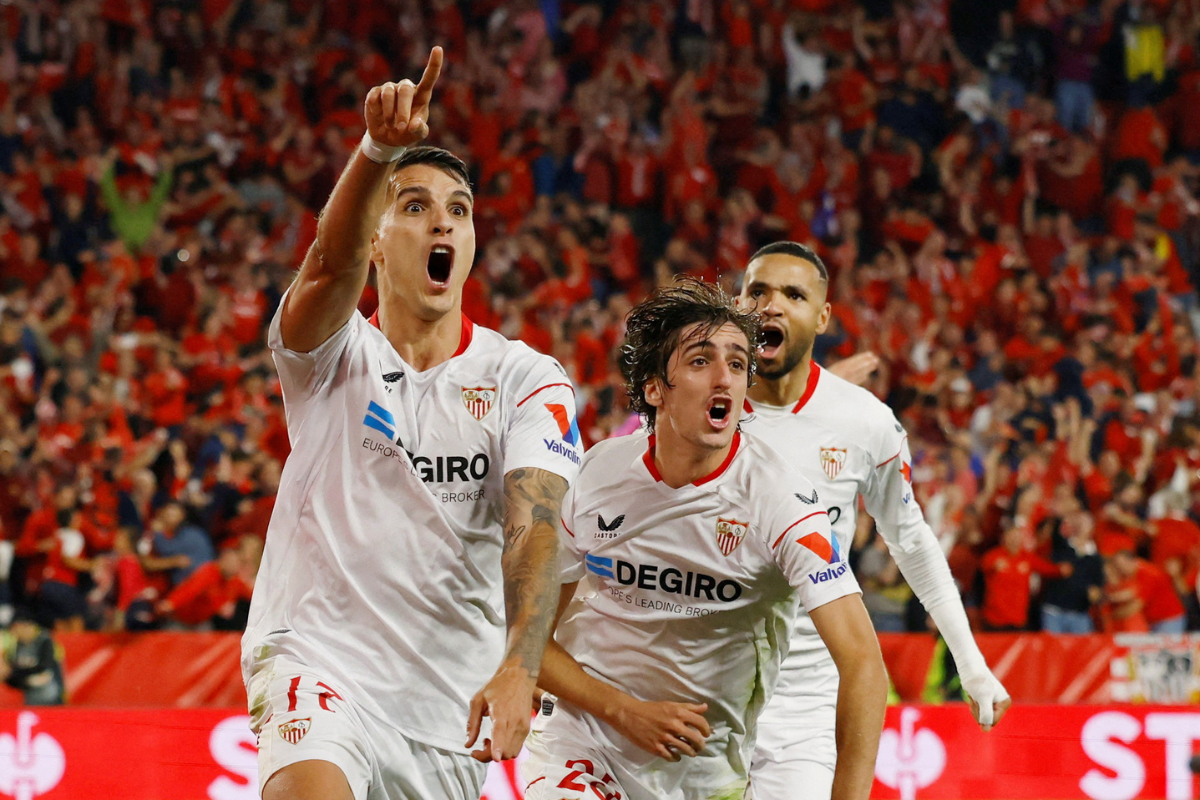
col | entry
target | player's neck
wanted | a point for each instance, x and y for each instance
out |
(680, 462)
(786, 390)
(421, 343)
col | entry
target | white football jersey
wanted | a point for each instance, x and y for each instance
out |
(849, 444)
(382, 562)
(691, 592)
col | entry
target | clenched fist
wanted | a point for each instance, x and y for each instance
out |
(397, 114)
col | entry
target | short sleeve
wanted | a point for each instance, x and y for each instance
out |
(543, 430)
(888, 495)
(303, 375)
(804, 547)
(570, 558)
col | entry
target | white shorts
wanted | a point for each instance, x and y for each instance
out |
(298, 716)
(796, 749)
(572, 757)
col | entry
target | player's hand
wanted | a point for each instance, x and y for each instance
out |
(988, 700)
(668, 730)
(857, 368)
(506, 698)
(397, 114)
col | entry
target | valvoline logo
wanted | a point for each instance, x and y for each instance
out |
(828, 550)
(568, 425)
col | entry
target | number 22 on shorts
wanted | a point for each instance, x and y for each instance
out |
(578, 768)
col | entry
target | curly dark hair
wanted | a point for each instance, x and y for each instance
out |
(654, 327)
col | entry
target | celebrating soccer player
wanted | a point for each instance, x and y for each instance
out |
(691, 548)
(416, 515)
(848, 444)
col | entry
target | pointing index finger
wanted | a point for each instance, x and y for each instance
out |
(433, 69)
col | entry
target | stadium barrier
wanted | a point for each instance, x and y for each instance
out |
(935, 752)
(188, 670)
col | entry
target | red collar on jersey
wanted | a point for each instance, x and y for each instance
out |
(814, 374)
(464, 340)
(648, 460)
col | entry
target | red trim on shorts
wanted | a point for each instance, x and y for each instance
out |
(794, 524)
(547, 386)
(532, 782)
(464, 338)
(814, 374)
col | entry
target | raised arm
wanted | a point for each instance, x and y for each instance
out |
(334, 271)
(532, 502)
(846, 629)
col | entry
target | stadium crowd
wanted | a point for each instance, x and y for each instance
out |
(1004, 194)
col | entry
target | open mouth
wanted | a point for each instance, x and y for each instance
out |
(770, 341)
(441, 260)
(719, 409)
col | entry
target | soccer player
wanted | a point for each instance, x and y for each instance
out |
(417, 513)
(849, 445)
(696, 543)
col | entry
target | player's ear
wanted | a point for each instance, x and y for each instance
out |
(376, 254)
(653, 392)
(823, 318)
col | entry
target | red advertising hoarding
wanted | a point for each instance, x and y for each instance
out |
(1037, 753)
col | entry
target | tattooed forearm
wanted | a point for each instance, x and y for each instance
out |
(532, 500)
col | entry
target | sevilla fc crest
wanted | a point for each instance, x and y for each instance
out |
(292, 732)
(730, 533)
(479, 400)
(832, 460)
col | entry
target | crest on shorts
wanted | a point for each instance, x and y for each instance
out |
(730, 533)
(479, 400)
(832, 460)
(292, 732)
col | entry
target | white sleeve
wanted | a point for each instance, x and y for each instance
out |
(570, 558)
(303, 375)
(889, 499)
(804, 547)
(543, 430)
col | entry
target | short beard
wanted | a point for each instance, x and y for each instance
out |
(791, 359)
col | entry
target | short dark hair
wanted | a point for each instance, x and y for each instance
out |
(437, 158)
(795, 250)
(654, 327)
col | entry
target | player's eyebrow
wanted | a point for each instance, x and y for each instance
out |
(791, 287)
(707, 344)
(423, 191)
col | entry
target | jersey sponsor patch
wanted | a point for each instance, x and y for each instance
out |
(479, 400)
(568, 426)
(832, 460)
(827, 550)
(811, 501)
(730, 534)
(380, 419)
(292, 732)
(906, 473)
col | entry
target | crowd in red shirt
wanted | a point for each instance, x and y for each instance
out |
(1026, 271)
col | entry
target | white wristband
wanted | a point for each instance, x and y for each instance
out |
(379, 153)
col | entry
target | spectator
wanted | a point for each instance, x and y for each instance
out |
(1007, 571)
(1067, 601)
(32, 662)
(1148, 589)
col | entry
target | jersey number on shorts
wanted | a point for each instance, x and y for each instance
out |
(324, 697)
(580, 766)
